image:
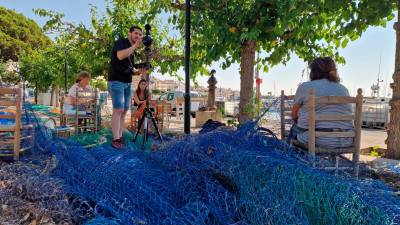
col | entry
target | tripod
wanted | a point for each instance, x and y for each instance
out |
(147, 113)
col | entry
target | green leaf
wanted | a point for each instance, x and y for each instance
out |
(345, 42)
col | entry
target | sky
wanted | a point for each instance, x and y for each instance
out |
(366, 58)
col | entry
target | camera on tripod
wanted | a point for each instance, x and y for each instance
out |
(147, 40)
(147, 114)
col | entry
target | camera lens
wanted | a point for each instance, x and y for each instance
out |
(147, 40)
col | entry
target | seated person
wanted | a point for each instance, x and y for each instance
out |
(81, 84)
(325, 81)
(139, 97)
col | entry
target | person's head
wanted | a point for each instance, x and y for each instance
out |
(83, 78)
(324, 68)
(135, 32)
(141, 86)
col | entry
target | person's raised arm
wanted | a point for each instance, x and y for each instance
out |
(125, 53)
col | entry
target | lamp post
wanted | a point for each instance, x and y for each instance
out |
(187, 69)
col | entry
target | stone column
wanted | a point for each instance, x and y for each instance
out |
(211, 90)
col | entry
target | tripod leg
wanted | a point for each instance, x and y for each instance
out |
(145, 131)
(156, 127)
(138, 128)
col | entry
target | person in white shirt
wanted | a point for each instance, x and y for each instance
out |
(81, 84)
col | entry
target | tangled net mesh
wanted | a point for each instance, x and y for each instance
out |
(218, 177)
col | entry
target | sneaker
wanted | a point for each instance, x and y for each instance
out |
(117, 144)
(121, 140)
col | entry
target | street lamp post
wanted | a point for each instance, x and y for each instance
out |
(187, 69)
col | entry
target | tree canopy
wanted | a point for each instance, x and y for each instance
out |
(280, 28)
(19, 34)
(93, 43)
(233, 30)
(230, 31)
(43, 69)
(8, 73)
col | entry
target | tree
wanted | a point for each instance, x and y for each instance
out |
(92, 46)
(84, 48)
(43, 69)
(3, 70)
(234, 30)
(17, 34)
(393, 129)
(8, 75)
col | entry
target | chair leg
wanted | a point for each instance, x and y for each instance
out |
(161, 123)
(356, 165)
(313, 163)
(336, 164)
(356, 170)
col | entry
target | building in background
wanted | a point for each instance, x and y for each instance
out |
(227, 94)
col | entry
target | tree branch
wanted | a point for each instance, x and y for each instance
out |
(182, 7)
(166, 58)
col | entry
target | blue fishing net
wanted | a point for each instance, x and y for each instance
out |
(221, 176)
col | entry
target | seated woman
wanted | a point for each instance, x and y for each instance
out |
(81, 85)
(139, 98)
(325, 81)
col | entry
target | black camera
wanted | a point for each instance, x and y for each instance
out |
(147, 40)
(145, 65)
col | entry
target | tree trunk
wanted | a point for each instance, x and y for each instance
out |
(393, 129)
(57, 91)
(36, 92)
(247, 56)
(52, 96)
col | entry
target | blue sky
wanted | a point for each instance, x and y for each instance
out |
(360, 71)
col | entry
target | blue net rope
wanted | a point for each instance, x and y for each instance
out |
(221, 176)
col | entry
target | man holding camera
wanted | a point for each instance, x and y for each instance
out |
(120, 75)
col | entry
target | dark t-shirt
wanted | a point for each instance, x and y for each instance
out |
(121, 70)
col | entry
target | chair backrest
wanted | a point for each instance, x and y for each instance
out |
(11, 105)
(286, 114)
(87, 100)
(313, 118)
